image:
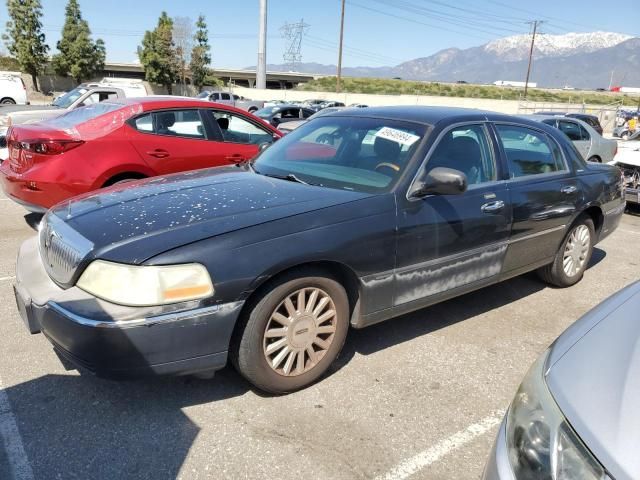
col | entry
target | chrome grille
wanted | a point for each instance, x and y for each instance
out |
(62, 249)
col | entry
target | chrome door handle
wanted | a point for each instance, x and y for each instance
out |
(569, 190)
(492, 207)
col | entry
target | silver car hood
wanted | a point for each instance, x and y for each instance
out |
(594, 376)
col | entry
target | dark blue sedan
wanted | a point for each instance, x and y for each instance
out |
(352, 219)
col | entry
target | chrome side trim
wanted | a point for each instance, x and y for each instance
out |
(538, 234)
(147, 321)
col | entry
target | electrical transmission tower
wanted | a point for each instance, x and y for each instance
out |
(293, 33)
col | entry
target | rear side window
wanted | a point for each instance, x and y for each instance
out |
(529, 152)
(178, 123)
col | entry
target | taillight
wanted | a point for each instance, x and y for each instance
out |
(48, 147)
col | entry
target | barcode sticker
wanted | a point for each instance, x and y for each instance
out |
(398, 136)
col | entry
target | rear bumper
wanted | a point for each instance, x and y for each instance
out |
(30, 192)
(121, 342)
(632, 195)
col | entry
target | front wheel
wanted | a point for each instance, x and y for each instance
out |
(8, 101)
(573, 256)
(293, 333)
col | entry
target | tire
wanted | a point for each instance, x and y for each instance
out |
(253, 109)
(117, 181)
(289, 366)
(8, 101)
(594, 159)
(556, 273)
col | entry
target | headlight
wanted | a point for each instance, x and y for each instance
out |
(146, 285)
(540, 442)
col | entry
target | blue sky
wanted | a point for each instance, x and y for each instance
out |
(377, 32)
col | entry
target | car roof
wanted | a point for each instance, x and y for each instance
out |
(157, 102)
(428, 115)
(540, 118)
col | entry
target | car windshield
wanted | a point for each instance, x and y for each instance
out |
(351, 153)
(64, 101)
(266, 112)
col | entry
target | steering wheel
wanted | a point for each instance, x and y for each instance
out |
(392, 166)
(325, 138)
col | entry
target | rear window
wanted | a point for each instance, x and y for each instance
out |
(81, 115)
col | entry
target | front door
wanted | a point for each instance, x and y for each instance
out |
(448, 243)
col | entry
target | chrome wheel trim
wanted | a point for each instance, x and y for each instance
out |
(576, 251)
(300, 331)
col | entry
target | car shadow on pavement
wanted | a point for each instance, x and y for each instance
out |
(80, 426)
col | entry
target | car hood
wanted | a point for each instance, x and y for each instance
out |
(628, 155)
(594, 376)
(30, 113)
(136, 221)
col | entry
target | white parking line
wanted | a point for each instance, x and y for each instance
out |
(4, 279)
(442, 448)
(18, 461)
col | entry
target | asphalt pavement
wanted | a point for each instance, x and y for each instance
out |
(418, 397)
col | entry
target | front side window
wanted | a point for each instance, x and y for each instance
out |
(235, 129)
(467, 149)
(529, 152)
(350, 153)
(177, 123)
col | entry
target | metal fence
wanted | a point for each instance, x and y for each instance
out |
(605, 113)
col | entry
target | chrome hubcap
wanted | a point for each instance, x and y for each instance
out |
(576, 251)
(300, 331)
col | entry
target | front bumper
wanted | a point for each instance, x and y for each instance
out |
(498, 466)
(121, 342)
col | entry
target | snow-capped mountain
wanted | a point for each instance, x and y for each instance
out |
(517, 47)
(582, 60)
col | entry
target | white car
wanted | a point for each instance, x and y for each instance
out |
(628, 160)
(13, 91)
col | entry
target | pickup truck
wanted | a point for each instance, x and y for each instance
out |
(232, 99)
(84, 94)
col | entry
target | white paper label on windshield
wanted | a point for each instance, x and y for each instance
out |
(403, 138)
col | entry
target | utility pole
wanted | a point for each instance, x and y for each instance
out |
(535, 24)
(261, 69)
(340, 49)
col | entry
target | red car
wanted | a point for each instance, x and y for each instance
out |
(116, 141)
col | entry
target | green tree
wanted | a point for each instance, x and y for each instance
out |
(200, 55)
(79, 57)
(158, 54)
(24, 38)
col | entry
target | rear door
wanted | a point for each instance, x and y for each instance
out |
(543, 190)
(175, 140)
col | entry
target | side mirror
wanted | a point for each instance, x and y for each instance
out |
(439, 181)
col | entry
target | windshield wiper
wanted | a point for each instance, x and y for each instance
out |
(289, 176)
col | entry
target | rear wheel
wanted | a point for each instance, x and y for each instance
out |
(594, 159)
(7, 101)
(253, 109)
(293, 333)
(573, 256)
(122, 179)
